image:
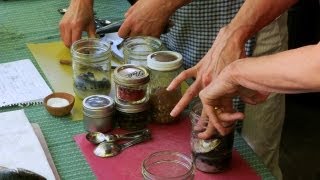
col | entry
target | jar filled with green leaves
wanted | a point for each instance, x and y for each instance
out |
(164, 67)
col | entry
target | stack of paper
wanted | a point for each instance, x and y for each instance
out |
(20, 147)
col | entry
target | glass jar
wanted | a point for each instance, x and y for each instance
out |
(98, 113)
(164, 67)
(212, 155)
(91, 64)
(136, 49)
(132, 117)
(131, 83)
(165, 165)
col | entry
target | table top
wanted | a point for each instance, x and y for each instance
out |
(24, 22)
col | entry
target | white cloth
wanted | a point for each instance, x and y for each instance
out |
(20, 147)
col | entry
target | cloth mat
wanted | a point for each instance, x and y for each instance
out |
(174, 137)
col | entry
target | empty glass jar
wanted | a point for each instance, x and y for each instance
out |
(165, 165)
(91, 64)
(136, 49)
(212, 155)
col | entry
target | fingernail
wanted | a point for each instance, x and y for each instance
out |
(168, 88)
(173, 113)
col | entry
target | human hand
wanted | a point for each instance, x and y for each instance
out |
(148, 17)
(226, 48)
(218, 96)
(79, 17)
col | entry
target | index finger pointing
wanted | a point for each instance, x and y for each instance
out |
(181, 77)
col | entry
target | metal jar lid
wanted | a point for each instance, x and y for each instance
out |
(164, 60)
(131, 108)
(98, 106)
(131, 75)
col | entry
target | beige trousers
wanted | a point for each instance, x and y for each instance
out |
(262, 125)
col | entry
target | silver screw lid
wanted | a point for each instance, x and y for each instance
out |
(131, 75)
(98, 106)
(131, 108)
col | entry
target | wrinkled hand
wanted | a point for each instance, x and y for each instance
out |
(225, 49)
(79, 17)
(146, 17)
(219, 94)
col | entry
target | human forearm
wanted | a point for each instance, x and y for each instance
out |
(88, 4)
(149, 17)
(177, 3)
(254, 15)
(293, 71)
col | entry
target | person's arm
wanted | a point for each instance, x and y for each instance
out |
(254, 15)
(149, 17)
(293, 71)
(229, 45)
(79, 17)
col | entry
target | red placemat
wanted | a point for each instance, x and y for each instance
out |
(175, 137)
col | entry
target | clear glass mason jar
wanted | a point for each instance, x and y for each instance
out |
(132, 117)
(91, 64)
(131, 83)
(164, 67)
(212, 155)
(98, 111)
(164, 165)
(136, 49)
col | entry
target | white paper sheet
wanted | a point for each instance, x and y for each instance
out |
(20, 147)
(21, 83)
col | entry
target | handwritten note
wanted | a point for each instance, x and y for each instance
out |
(21, 83)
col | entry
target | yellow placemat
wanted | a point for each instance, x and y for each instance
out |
(48, 56)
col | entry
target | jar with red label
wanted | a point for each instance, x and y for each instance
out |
(131, 83)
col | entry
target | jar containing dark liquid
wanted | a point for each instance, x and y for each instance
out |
(212, 155)
(91, 64)
(164, 67)
(136, 49)
(132, 117)
(131, 83)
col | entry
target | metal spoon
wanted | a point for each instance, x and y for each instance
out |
(98, 137)
(105, 149)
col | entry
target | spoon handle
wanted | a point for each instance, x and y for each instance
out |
(135, 141)
(133, 135)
